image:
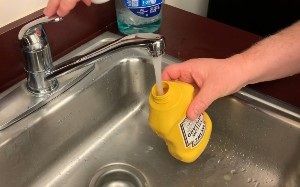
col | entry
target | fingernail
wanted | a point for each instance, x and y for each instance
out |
(45, 11)
(193, 114)
(59, 13)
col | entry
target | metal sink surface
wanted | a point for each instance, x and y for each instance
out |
(97, 134)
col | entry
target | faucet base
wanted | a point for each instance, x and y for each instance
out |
(52, 86)
(22, 101)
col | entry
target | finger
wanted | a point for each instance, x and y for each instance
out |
(65, 6)
(51, 8)
(171, 72)
(181, 72)
(200, 103)
(87, 2)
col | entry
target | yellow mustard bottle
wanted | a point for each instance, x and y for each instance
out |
(186, 139)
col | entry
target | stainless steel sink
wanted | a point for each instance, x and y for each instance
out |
(97, 134)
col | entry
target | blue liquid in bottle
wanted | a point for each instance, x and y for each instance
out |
(138, 16)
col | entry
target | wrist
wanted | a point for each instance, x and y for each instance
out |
(239, 70)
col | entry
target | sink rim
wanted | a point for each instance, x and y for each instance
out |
(283, 112)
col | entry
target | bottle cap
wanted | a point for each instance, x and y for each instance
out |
(99, 1)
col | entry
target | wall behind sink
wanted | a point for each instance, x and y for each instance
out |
(11, 10)
(195, 6)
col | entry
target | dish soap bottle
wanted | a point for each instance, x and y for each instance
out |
(186, 140)
(138, 16)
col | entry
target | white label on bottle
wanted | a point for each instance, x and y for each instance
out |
(144, 8)
(193, 131)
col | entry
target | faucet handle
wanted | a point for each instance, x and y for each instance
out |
(38, 59)
(36, 23)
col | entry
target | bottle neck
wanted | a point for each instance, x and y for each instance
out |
(168, 93)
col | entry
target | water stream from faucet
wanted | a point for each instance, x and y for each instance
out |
(157, 69)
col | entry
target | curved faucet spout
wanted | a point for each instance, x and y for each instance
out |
(41, 74)
(154, 43)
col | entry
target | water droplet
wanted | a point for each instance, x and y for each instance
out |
(227, 177)
(243, 170)
(233, 171)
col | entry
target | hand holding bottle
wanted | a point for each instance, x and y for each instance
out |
(274, 57)
(214, 77)
(63, 7)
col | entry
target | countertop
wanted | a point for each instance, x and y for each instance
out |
(187, 36)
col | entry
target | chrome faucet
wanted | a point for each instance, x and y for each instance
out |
(44, 80)
(38, 59)
(41, 74)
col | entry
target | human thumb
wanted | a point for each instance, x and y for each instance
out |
(199, 104)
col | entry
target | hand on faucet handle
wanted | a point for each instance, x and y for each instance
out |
(62, 7)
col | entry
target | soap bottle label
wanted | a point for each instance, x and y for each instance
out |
(193, 131)
(144, 8)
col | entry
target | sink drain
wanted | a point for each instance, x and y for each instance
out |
(118, 175)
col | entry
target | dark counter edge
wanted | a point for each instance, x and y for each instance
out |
(187, 36)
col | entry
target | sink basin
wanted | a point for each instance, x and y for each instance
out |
(97, 134)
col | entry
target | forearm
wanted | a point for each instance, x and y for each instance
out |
(275, 57)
